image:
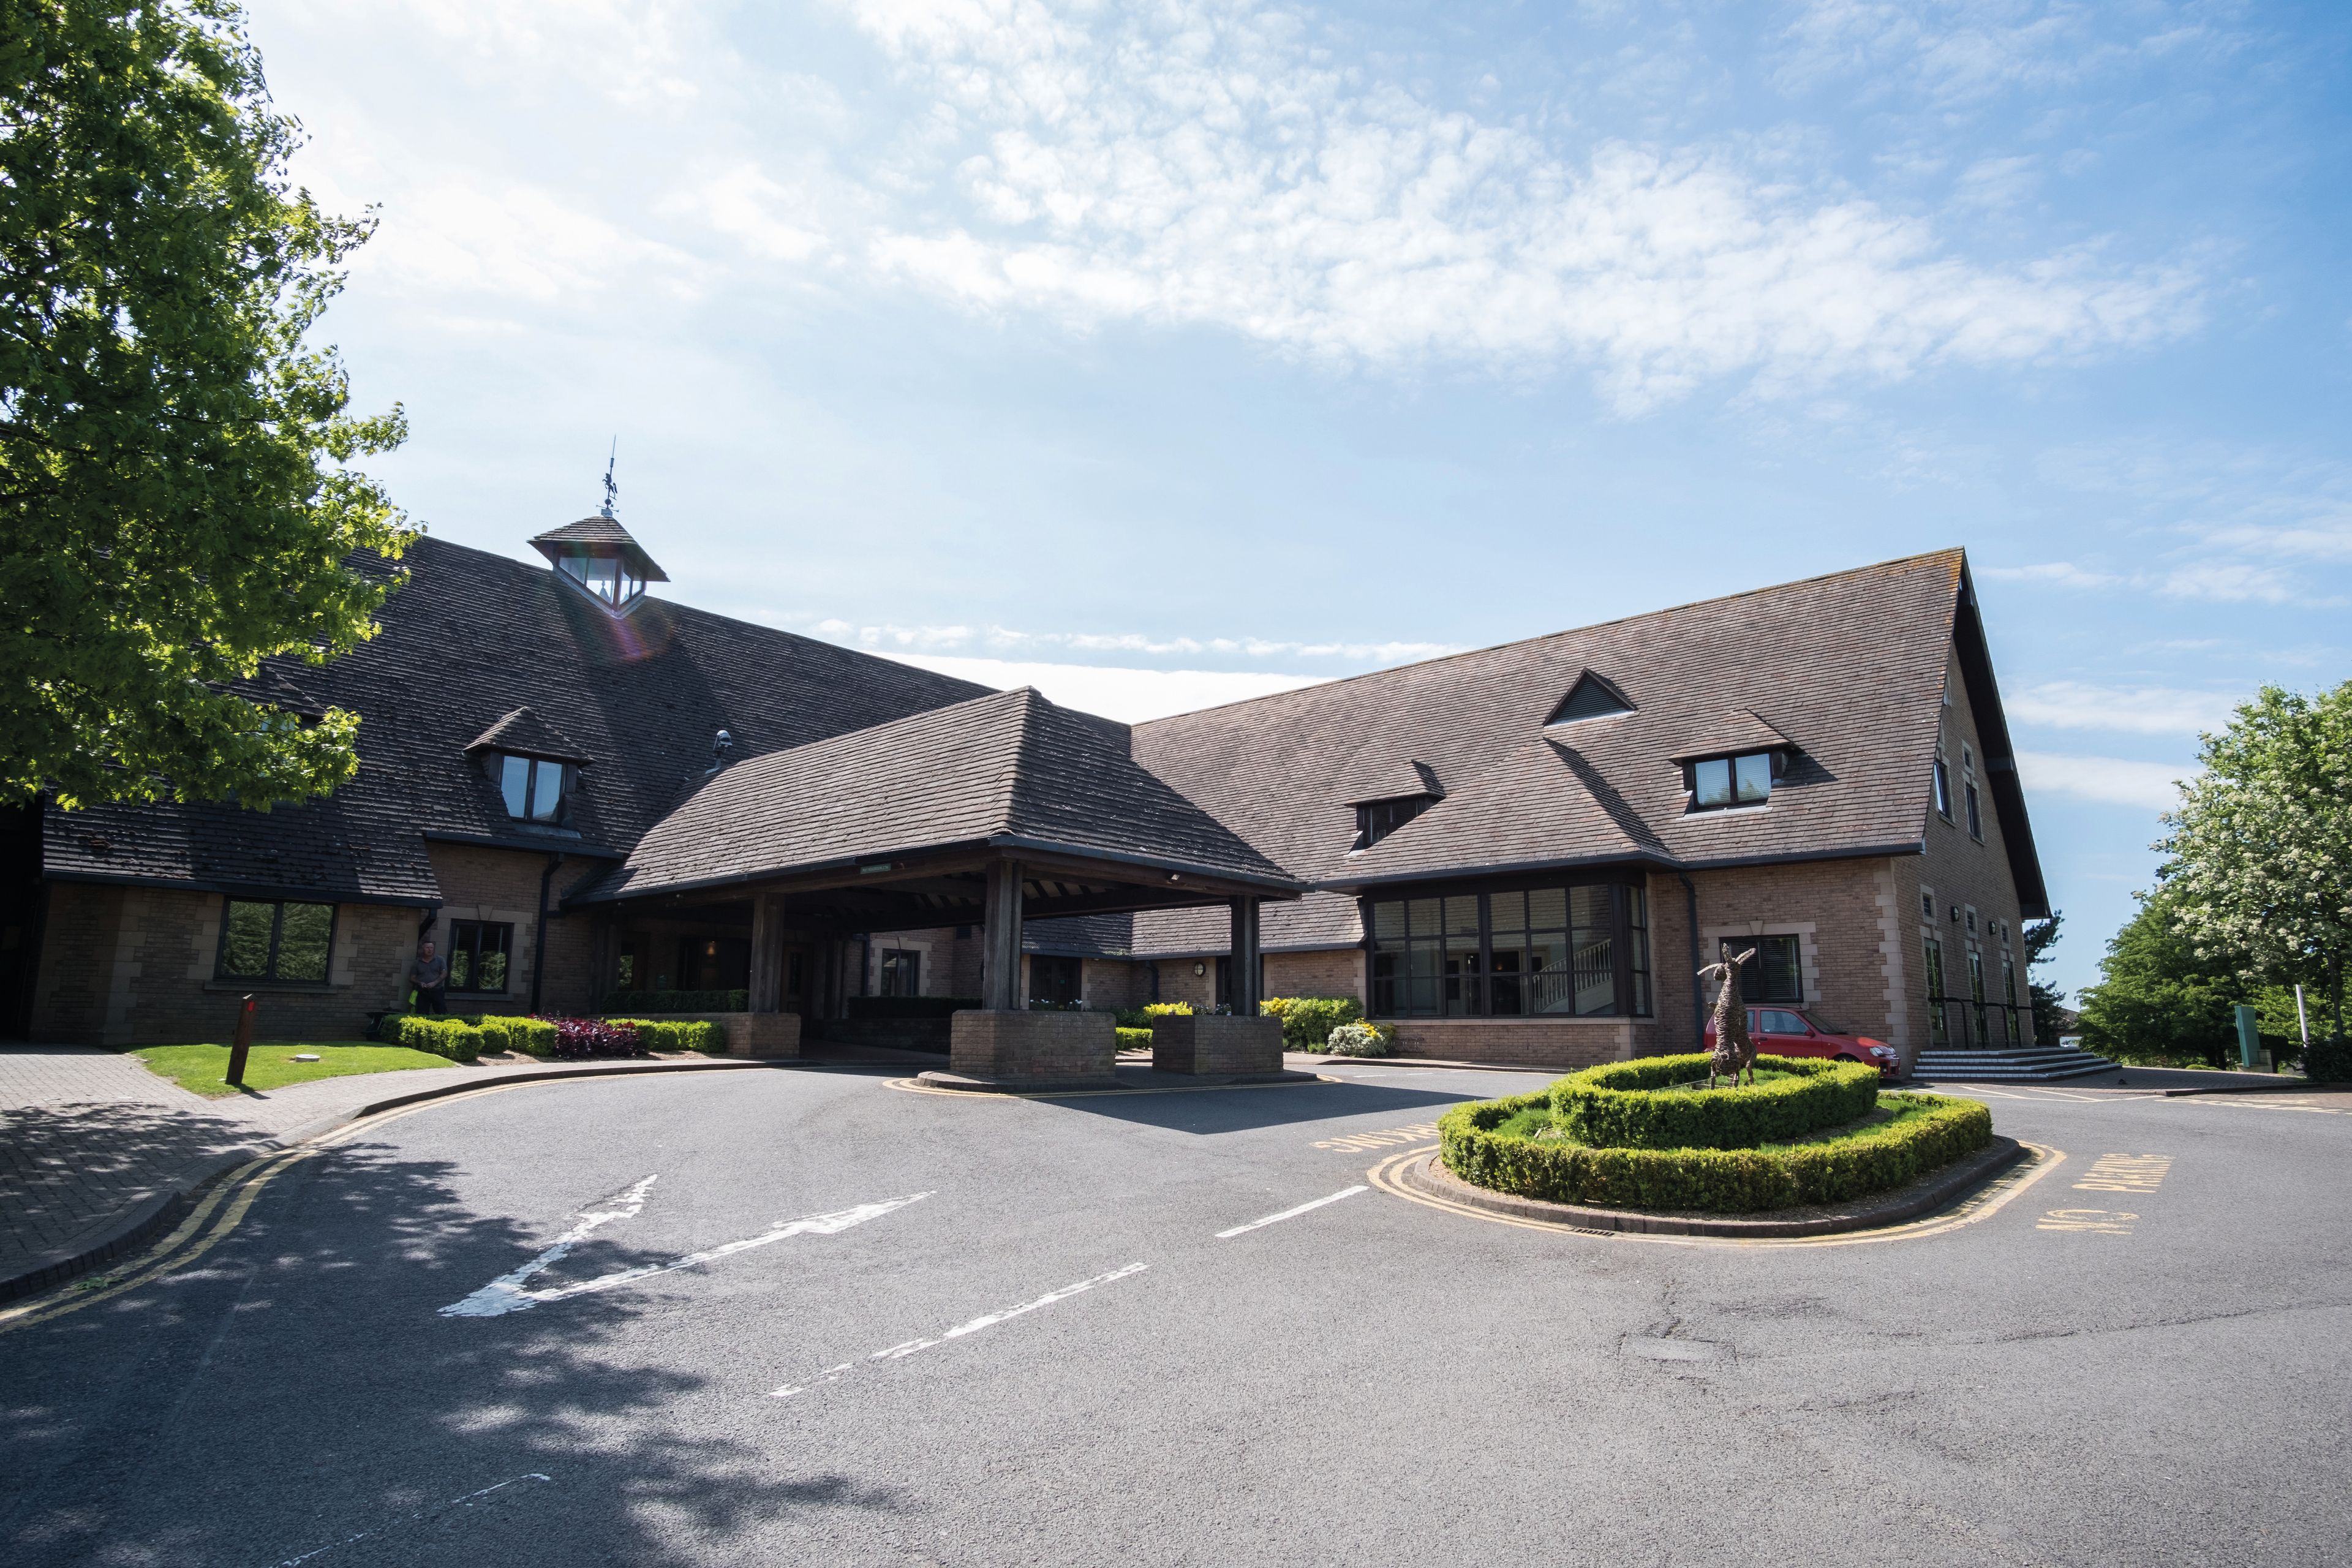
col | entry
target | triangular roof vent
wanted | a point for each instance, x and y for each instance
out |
(1590, 697)
(524, 734)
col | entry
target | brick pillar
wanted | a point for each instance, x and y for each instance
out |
(1000, 967)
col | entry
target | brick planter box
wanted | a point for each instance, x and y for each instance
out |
(765, 1036)
(1045, 1050)
(1205, 1044)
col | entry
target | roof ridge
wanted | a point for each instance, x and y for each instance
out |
(1954, 550)
(1005, 800)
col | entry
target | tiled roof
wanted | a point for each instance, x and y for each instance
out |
(1737, 731)
(1010, 769)
(1849, 665)
(598, 534)
(472, 637)
(526, 734)
(1389, 778)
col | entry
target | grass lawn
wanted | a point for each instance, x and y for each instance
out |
(198, 1068)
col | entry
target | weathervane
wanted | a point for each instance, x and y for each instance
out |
(612, 490)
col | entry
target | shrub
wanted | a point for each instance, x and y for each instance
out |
(451, 1037)
(531, 1037)
(2328, 1061)
(1167, 1009)
(1929, 1130)
(1362, 1040)
(1307, 1021)
(1134, 1039)
(578, 1039)
(1631, 1105)
(677, 1002)
(1130, 1018)
(701, 1034)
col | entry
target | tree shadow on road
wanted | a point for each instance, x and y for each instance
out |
(296, 1390)
(1240, 1110)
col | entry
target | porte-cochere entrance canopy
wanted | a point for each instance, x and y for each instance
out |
(986, 813)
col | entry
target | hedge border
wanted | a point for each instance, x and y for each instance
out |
(1631, 1105)
(1709, 1181)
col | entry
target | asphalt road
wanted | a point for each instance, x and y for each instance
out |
(1371, 1379)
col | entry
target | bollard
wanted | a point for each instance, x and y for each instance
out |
(244, 1041)
(2250, 1039)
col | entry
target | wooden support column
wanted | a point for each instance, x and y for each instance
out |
(1244, 963)
(999, 964)
(767, 953)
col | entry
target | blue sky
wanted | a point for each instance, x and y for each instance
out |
(1161, 354)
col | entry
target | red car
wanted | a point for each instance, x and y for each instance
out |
(1788, 1032)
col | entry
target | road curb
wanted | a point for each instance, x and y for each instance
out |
(1955, 1181)
(2298, 1087)
(160, 1209)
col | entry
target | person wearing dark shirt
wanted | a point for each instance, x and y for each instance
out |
(430, 975)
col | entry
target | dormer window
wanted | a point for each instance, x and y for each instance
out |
(1376, 819)
(1718, 784)
(534, 766)
(533, 786)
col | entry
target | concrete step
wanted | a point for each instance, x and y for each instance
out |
(2023, 1065)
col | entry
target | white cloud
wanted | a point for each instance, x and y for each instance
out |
(1961, 51)
(1200, 163)
(1130, 696)
(2145, 710)
(886, 638)
(2232, 582)
(2065, 573)
(2111, 780)
(513, 241)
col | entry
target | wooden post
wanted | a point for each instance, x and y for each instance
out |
(1000, 971)
(1245, 996)
(767, 953)
(236, 1053)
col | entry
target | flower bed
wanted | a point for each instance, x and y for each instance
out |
(1643, 1104)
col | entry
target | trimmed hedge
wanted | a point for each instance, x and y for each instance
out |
(1134, 1039)
(453, 1038)
(1631, 1105)
(675, 1034)
(678, 1002)
(1713, 1181)
(531, 1037)
(1307, 1021)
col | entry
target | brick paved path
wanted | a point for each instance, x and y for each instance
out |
(87, 1136)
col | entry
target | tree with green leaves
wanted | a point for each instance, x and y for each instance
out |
(2258, 869)
(2158, 1000)
(2049, 1003)
(177, 499)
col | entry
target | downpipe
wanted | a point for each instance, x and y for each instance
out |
(539, 931)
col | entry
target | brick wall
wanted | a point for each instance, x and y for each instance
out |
(479, 883)
(1179, 983)
(1329, 972)
(125, 967)
(1562, 1043)
(1963, 873)
(1020, 1047)
(1835, 908)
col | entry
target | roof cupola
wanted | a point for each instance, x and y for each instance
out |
(597, 556)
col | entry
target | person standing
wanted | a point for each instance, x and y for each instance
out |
(430, 975)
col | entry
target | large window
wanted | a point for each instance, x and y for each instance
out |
(1059, 981)
(1562, 952)
(1943, 788)
(1933, 959)
(901, 972)
(1777, 972)
(478, 950)
(533, 788)
(1977, 996)
(275, 940)
(2008, 991)
(1719, 782)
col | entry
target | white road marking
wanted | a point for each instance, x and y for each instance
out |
(1292, 1213)
(465, 1501)
(506, 1294)
(986, 1320)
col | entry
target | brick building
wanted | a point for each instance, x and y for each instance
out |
(577, 789)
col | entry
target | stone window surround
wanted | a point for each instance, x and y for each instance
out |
(1809, 952)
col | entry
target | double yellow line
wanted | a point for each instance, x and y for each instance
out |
(219, 1211)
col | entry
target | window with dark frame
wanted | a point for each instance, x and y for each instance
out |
(901, 972)
(1777, 972)
(1943, 789)
(1937, 1032)
(1578, 951)
(2009, 990)
(275, 941)
(1976, 822)
(533, 788)
(1720, 784)
(1376, 819)
(478, 954)
(1056, 980)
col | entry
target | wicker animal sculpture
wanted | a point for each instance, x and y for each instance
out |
(1733, 1048)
